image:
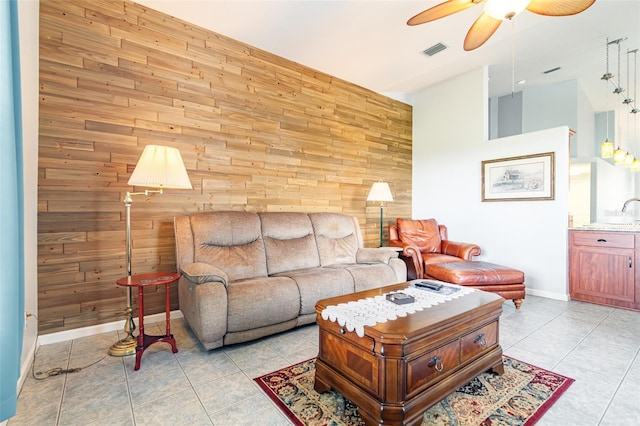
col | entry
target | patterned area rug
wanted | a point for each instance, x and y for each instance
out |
(519, 397)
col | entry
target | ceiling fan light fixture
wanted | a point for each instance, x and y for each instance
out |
(505, 9)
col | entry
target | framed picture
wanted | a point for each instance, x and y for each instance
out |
(528, 177)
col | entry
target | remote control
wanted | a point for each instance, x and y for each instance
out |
(431, 286)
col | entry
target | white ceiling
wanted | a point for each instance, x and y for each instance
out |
(367, 42)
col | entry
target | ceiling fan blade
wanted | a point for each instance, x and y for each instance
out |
(480, 31)
(441, 10)
(559, 7)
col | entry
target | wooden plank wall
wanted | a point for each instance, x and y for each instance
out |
(257, 132)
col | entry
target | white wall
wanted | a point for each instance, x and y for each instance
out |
(449, 144)
(509, 115)
(553, 105)
(585, 138)
(28, 15)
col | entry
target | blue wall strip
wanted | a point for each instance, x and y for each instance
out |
(12, 212)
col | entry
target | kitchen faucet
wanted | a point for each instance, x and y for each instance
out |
(626, 203)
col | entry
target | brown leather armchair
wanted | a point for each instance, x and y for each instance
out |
(424, 242)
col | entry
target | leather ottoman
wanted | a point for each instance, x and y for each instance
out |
(505, 281)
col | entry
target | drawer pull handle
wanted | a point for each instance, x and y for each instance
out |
(342, 331)
(602, 240)
(481, 340)
(436, 362)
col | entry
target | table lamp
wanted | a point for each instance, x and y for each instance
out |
(381, 192)
(158, 167)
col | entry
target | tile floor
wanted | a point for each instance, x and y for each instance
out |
(598, 346)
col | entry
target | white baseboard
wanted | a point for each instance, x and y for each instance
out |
(548, 294)
(26, 366)
(63, 336)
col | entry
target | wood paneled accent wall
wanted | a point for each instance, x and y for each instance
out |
(257, 132)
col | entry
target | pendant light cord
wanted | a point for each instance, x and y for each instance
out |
(513, 58)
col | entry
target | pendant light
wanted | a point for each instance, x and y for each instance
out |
(621, 156)
(618, 156)
(628, 159)
(607, 147)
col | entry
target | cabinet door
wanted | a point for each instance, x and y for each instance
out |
(602, 273)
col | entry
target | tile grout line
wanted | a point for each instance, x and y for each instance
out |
(64, 384)
(537, 328)
(126, 379)
(583, 339)
(194, 389)
(606, 410)
(593, 329)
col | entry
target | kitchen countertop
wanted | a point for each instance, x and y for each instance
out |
(608, 227)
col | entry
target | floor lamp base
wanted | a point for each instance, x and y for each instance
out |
(126, 346)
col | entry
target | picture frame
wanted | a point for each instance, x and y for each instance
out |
(522, 178)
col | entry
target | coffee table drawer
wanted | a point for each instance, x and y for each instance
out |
(360, 366)
(477, 341)
(432, 365)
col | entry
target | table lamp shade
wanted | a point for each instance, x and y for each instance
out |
(160, 167)
(380, 191)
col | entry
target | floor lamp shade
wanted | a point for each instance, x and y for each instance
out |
(381, 192)
(160, 167)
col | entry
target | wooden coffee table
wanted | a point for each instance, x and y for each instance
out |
(400, 368)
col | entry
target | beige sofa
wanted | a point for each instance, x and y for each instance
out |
(248, 275)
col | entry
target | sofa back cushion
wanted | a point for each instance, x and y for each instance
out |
(289, 242)
(230, 240)
(423, 234)
(337, 236)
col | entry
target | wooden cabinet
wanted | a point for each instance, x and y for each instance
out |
(602, 268)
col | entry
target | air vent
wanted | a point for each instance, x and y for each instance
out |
(551, 70)
(436, 48)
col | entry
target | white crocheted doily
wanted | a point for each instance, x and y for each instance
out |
(372, 310)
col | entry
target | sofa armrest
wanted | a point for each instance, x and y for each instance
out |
(462, 250)
(200, 273)
(375, 255)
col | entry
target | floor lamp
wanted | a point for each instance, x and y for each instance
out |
(381, 192)
(158, 167)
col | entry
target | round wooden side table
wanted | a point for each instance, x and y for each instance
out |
(144, 280)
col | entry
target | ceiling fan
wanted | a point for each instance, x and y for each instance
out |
(496, 11)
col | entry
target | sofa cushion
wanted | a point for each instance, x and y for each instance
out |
(362, 273)
(319, 283)
(338, 237)
(257, 302)
(375, 255)
(423, 234)
(232, 241)
(289, 242)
